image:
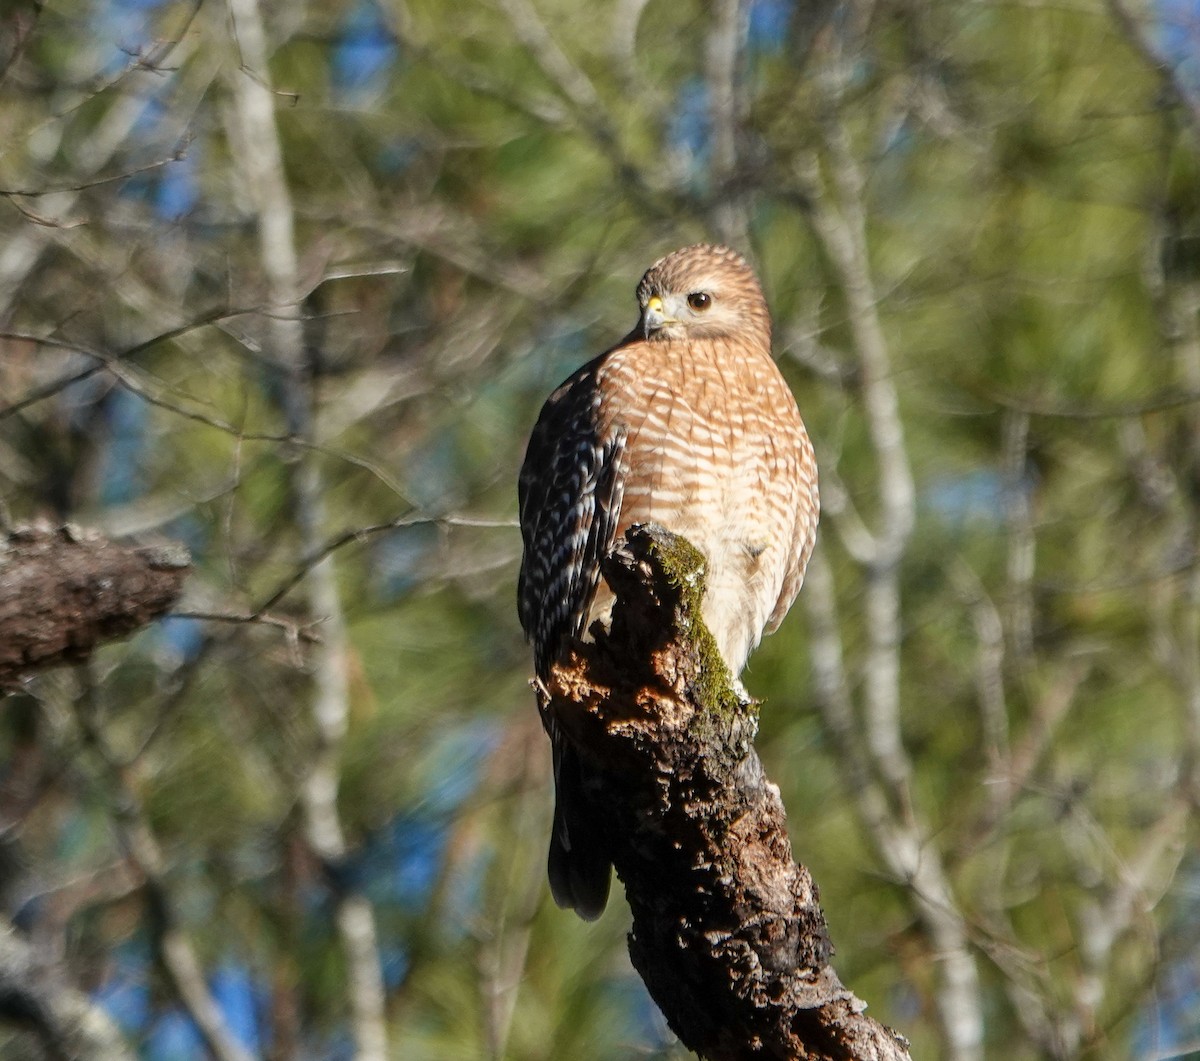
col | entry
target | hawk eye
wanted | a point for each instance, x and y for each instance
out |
(699, 300)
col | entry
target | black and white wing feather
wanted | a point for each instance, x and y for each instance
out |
(570, 492)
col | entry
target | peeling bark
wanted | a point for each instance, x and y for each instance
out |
(728, 932)
(64, 591)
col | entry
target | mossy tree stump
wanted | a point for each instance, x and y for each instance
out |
(728, 932)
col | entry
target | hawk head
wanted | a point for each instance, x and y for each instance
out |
(703, 292)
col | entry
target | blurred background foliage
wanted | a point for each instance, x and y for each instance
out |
(475, 190)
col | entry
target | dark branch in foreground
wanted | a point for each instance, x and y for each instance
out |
(64, 591)
(728, 932)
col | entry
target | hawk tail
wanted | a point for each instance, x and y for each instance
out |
(578, 868)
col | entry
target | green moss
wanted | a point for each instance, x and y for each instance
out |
(684, 566)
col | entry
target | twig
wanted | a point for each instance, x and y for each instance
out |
(504, 949)
(1105, 921)
(625, 20)
(296, 631)
(152, 391)
(989, 667)
(1048, 711)
(361, 534)
(177, 155)
(1175, 398)
(104, 360)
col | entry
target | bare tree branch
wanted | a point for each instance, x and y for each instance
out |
(623, 47)
(23, 249)
(63, 592)
(724, 47)
(104, 360)
(157, 393)
(177, 155)
(1018, 768)
(1107, 920)
(570, 80)
(295, 631)
(504, 946)
(577, 88)
(361, 534)
(1171, 398)
(69, 1026)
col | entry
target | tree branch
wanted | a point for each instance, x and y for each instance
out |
(63, 592)
(259, 155)
(728, 932)
(172, 943)
(839, 217)
(65, 1021)
(723, 48)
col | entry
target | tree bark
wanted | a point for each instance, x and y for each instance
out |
(728, 932)
(64, 591)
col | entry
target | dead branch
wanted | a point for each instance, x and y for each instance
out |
(64, 591)
(728, 932)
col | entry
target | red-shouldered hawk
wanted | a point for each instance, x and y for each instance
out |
(686, 423)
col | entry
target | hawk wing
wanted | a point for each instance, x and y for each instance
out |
(570, 492)
(808, 509)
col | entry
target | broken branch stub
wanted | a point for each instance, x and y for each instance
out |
(64, 591)
(728, 932)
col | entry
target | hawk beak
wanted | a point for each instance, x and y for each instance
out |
(653, 316)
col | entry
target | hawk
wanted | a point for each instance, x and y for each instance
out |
(687, 423)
